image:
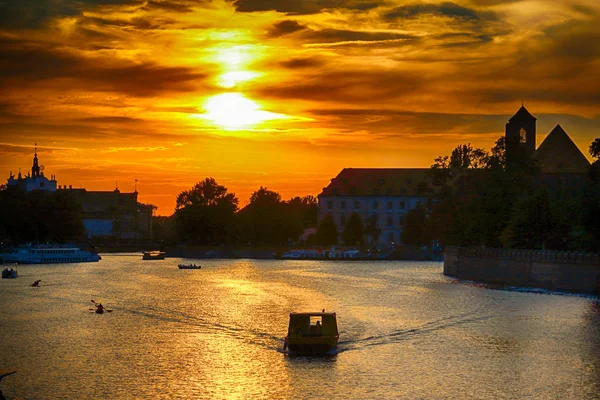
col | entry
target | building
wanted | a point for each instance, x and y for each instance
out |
(34, 181)
(386, 194)
(107, 215)
(558, 164)
(382, 194)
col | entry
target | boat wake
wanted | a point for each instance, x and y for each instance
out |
(406, 334)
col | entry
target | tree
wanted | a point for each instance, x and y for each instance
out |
(262, 221)
(372, 228)
(205, 214)
(414, 227)
(353, 231)
(327, 233)
(534, 224)
(595, 148)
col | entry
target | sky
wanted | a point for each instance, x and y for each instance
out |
(281, 94)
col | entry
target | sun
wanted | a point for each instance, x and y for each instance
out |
(234, 111)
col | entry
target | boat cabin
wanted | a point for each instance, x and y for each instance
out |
(312, 332)
(312, 324)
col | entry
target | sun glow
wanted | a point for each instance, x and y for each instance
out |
(234, 111)
(230, 79)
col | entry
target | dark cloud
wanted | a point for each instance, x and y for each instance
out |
(302, 7)
(285, 28)
(32, 14)
(340, 35)
(448, 9)
(180, 6)
(306, 34)
(111, 120)
(24, 65)
(299, 63)
(349, 86)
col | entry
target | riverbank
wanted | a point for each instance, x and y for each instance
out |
(270, 252)
(554, 270)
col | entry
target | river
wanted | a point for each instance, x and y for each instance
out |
(407, 332)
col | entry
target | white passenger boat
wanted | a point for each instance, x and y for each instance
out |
(48, 254)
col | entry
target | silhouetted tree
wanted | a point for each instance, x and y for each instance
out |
(39, 216)
(414, 227)
(595, 148)
(205, 214)
(327, 233)
(353, 232)
(372, 228)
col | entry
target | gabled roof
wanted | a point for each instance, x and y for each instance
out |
(522, 114)
(558, 153)
(379, 182)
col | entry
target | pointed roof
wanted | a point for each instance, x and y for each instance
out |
(558, 153)
(522, 114)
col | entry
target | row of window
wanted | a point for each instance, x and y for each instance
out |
(390, 220)
(401, 205)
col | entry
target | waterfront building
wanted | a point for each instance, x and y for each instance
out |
(387, 194)
(383, 195)
(107, 215)
(34, 181)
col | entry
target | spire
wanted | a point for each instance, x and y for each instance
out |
(522, 115)
(35, 170)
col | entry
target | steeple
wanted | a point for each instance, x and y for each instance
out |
(520, 136)
(35, 170)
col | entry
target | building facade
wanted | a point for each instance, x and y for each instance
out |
(387, 194)
(383, 195)
(107, 215)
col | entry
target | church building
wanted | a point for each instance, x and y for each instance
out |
(387, 194)
(107, 215)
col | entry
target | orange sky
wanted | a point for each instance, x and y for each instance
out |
(282, 94)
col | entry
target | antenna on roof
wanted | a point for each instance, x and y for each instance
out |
(135, 187)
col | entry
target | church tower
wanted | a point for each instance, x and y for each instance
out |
(35, 170)
(520, 137)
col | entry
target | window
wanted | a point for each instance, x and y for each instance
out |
(402, 205)
(329, 204)
(390, 221)
(342, 220)
(389, 191)
(401, 219)
(391, 237)
(390, 205)
(375, 205)
(343, 205)
(357, 205)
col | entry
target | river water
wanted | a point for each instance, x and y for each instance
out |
(407, 332)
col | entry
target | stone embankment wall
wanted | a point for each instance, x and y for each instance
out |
(555, 270)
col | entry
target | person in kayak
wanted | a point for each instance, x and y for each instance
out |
(36, 283)
(99, 308)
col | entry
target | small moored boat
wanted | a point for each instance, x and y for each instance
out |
(312, 333)
(190, 266)
(10, 273)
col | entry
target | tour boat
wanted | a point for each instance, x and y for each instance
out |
(190, 266)
(154, 255)
(312, 333)
(48, 254)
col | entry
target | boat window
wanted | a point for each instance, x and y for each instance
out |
(315, 319)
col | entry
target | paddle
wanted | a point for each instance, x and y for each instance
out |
(104, 309)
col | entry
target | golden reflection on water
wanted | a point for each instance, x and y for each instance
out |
(216, 333)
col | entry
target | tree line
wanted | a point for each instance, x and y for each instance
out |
(208, 214)
(480, 200)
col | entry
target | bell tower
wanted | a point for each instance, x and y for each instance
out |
(520, 137)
